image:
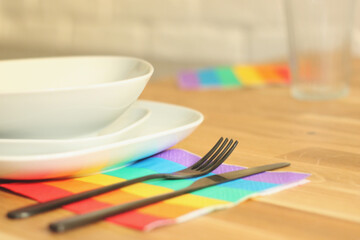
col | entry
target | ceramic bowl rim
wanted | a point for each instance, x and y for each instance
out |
(87, 87)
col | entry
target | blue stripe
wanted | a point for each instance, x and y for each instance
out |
(209, 78)
(159, 165)
(248, 185)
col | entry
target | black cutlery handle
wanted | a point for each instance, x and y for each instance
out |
(56, 203)
(84, 219)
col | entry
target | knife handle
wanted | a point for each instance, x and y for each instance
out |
(84, 219)
(56, 203)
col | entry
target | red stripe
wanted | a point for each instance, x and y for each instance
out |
(37, 191)
(134, 219)
(42, 192)
(85, 206)
(284, 73)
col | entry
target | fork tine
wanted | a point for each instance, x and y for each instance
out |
(218, 157)
(207, 155)
(221, 158)
(214, 156)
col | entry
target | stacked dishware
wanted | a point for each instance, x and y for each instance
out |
(70, 116)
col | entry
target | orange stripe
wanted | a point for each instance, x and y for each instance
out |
(270, 74)
(116, 197)
(72, 185)
(166, 210)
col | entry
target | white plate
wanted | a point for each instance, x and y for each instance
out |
(112, 133)
(167, 125)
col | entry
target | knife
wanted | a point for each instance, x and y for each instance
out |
(84, 219)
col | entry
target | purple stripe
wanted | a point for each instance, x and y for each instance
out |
(278, 177)
(188, 80)
(179, 156)
(268, 177)
(185, 158)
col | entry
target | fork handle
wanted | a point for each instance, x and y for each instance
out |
(56, 203)
(91, 217)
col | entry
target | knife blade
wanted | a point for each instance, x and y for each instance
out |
(84, 219)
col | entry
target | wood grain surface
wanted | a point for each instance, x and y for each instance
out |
(321, 138)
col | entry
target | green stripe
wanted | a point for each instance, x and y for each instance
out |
(222, 193)
(130, 173)
(171, 184)
(227, 77)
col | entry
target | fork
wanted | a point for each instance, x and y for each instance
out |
(210, 161)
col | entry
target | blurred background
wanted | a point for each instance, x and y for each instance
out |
(172, 34)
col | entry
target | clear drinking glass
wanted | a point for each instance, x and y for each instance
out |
(319, 33)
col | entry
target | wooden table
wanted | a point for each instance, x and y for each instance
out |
(321, 138)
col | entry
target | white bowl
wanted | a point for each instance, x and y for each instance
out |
(64, 97)
(132, 118)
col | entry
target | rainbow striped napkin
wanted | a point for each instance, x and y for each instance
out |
(238, 76)
(167, 212)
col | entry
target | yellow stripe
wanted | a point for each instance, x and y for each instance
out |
(101, 179)
(248, 75)
(166, 210)
(92, 169)
(117, 197)
(146, 190)
(195, 201)
(72, 185)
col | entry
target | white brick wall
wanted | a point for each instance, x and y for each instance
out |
(207, 32)
(199, 43)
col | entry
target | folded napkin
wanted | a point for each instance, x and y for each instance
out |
(238, 76)
(174, 210)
